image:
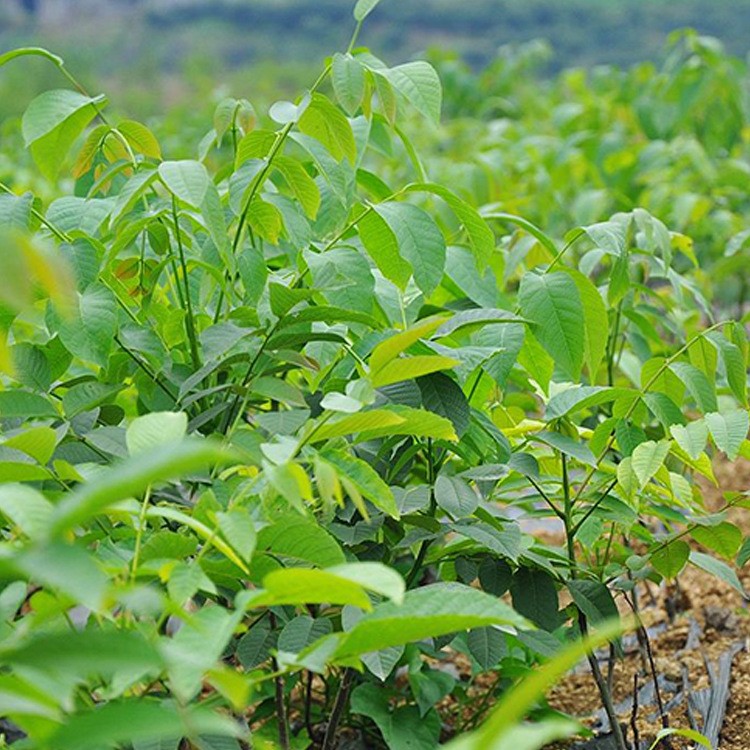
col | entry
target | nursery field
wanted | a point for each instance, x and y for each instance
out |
(411, 412)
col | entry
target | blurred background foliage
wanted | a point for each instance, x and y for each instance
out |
(181, 47)
(563, 112)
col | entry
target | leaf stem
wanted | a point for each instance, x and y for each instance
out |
(143, 366)
(588, 513)
(139, 534)
(546, 499)
(189, 319)
(565, 249)
(40, 217)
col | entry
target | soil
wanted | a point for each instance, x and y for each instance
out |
(724, 621)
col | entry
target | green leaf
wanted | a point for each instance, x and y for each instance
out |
(495, 576)
(688, 734)
(734, 364)
(212, 214)
(443, 396)
(140, 138)
(419, 84)
(85, 652)
(299, 541)
(343, 584)
(568, 446)
(533, 358)
(287, 477)
(13, 54)
(409, 368)
(455, 496)
(717, 568)
(52, 123)
(66, 569)
(168, 545)
(72, 214)
(619, 280)
(486, 646)
(597, 322)
(382, 246)
(340, 402)
(608, 235)
(348, 78)
(37, 442)
(365, 479)
(25, 508)
(197, 648)
(301, 631)
(154, 430)
(381, 663)
(416, 422)
(15, 211)
(255, 646)
(593, 599)
(303, 186)
(664, 409)
(744, 554)
(419, 241)
(698, 385)
(628, 437)
(87, 396)
(427, 612)
(327, 124)
(233, 113)
(283, 299)
(89, 331)
(553, 304)
(187, 180)
(389, 349)
(403, 728)
(535, 596)
(728, 431)
(647, 459)
(724, 538)
(238, 528)
(21, 698)
(30, 366)
(522, 736)
(692, 437)
(265, 220)
(14, 404)
(362, 9)
(207, 534)
(505, 542)
(131, 477)
(138, 720)
(481, 238)
(671, 559)
(355, 423)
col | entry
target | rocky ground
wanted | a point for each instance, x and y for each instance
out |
(706, 643)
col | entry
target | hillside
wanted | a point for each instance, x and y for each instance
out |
(235, 32)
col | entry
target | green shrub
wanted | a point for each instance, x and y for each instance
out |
(270, 424)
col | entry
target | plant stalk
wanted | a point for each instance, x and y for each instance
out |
(339, 705)
(601, 682)
(190, 319)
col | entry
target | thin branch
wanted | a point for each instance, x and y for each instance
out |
(591, 510)
(339, 705)
(547, 499)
